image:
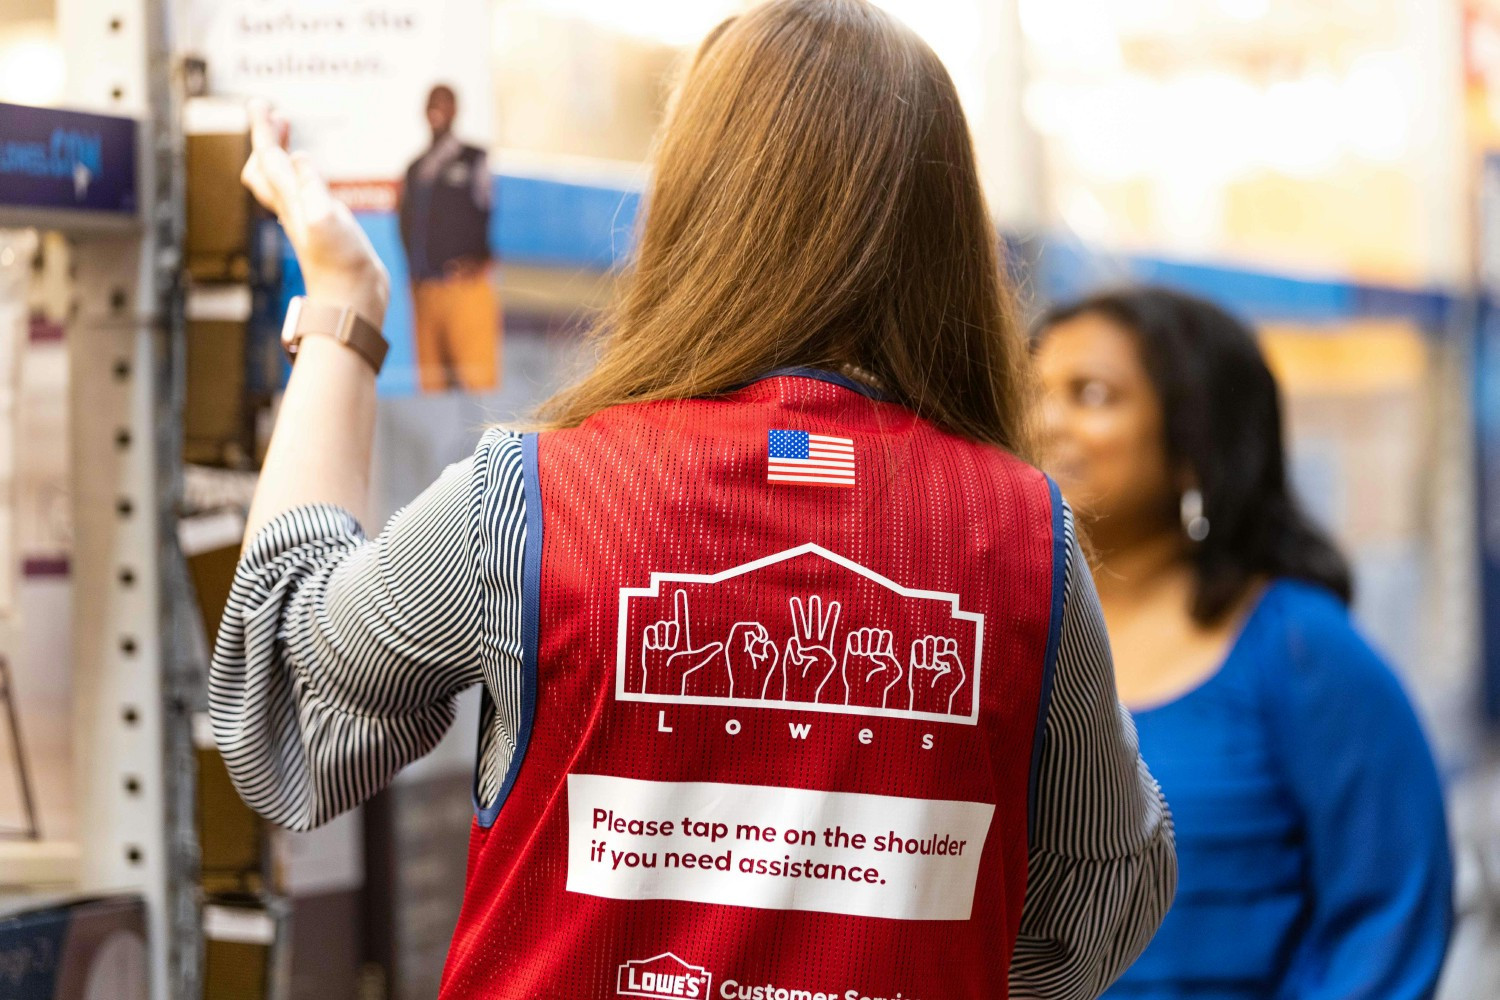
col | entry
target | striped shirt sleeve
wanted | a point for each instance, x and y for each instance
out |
(339, 657)
(1102, 868)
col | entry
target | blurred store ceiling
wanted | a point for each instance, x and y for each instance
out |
(32, 67)
(1256, 130)
(672, 22)
(614, 63)
(1252, 36)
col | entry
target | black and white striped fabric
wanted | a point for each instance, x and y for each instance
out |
(339, 659)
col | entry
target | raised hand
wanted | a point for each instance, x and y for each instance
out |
(936, 674)
(339, 266)
(669, 661)
(809, 662)
(752, 659)
(870, 667)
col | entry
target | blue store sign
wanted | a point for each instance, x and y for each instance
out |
(67, 160)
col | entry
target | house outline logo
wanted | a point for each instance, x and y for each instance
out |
(672, 979)
(965, 711)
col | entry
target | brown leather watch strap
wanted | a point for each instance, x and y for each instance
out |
(305, 317)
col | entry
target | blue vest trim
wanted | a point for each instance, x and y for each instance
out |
(531, 613)
(823, 375)
(1049, 661)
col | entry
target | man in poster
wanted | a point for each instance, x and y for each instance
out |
(445, 219)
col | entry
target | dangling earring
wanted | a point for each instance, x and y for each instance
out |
(1191, 510)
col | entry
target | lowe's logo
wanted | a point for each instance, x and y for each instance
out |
(664, 977)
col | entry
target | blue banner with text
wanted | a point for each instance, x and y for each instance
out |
(67, 160)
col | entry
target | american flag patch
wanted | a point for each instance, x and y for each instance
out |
(809, 459)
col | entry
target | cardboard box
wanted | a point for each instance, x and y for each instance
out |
(213, 574)
(321, 875)
(231, 837)
(218, 427)
(327, 945)
(234, 851)
(416, 836)
(219, 211)
(244, 950)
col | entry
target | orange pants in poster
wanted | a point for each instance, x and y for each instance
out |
(457, 332)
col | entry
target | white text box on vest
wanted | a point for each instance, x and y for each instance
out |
(774, 848)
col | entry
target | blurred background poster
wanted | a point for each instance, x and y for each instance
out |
(394, 101)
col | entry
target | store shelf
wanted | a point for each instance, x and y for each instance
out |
(33, 863)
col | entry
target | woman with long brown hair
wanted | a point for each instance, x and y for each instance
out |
(795, 681)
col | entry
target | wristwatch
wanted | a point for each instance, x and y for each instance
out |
(304, 318)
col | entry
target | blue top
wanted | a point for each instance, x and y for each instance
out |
(1312, 850)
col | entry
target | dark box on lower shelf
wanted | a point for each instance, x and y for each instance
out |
(63, 949)
(416, 848)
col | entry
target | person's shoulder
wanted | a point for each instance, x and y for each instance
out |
(498, 449)
(471, 152)
(1300, 604)
(1321, 642)
(1328, 695)
(1003, 463)
(497, 438)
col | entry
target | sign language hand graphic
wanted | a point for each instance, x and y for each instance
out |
(668, 656)
(936, 674)
(870, 667)
(752, 658)
(809, 661)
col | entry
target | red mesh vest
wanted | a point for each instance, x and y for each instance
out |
(778, 729)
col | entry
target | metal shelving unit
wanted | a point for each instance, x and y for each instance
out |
(136, 672)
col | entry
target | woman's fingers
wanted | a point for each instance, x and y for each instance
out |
(269, 172)
(313, 197)
(307, 173)
(255, 178)
(338, 263)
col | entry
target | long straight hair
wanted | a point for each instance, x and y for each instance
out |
(815, 202)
